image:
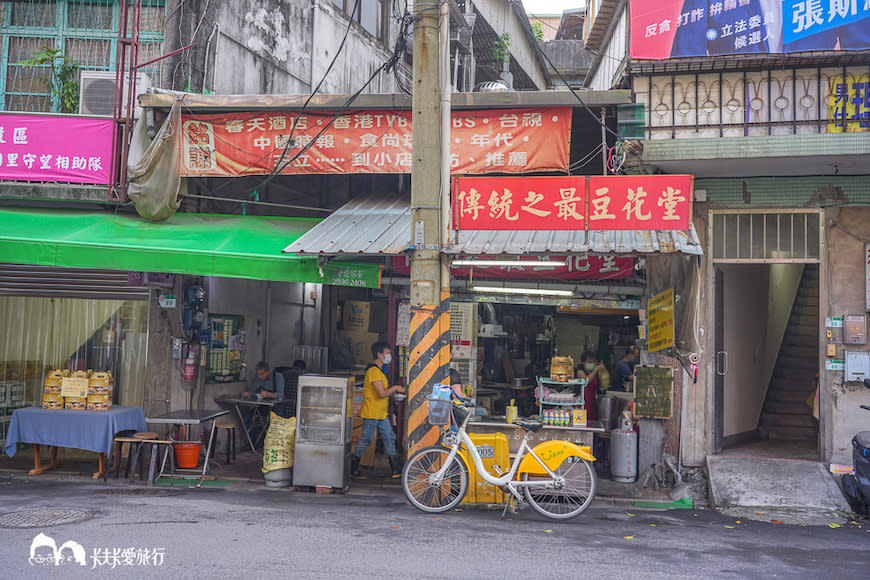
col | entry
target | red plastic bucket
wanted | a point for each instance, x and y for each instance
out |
(187, 455)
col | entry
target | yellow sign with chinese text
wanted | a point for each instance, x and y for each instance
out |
(849, 104)
(74, 387)
(661, 321)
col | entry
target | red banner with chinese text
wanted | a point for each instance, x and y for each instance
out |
(640, 202)
(580, 267)
(609, 202)
(482, 141)
(519, 203)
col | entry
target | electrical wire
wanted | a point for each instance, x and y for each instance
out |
(616, 135)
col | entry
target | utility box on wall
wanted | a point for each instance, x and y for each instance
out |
(857, 365)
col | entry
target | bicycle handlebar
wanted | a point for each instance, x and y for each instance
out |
(864, 407)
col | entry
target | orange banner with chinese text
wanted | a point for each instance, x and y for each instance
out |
(608, 202)
(260, 143)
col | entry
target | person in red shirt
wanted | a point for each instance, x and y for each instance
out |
(590, 368)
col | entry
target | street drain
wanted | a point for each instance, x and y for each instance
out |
(42, 518)
(139, 491)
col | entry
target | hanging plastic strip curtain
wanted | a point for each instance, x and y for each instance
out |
(42, 334)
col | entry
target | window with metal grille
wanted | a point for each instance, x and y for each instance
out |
(766, 236)
(86, 31)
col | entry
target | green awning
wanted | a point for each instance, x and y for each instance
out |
(186, 243)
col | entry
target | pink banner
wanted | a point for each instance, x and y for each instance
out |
(582, 267)
(72, 149)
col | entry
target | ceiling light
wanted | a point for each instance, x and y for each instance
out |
(488, 263)
(530, 291)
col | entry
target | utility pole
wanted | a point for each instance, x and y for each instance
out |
(430, 291)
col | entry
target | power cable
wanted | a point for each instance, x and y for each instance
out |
(580, 99)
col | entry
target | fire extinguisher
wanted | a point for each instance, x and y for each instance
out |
(190, 365)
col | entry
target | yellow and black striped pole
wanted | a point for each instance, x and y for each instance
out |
(428, 364)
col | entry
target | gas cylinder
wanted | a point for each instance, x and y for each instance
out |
(623, 452)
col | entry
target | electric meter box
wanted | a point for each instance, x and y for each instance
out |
(857, 365)
(855, 329)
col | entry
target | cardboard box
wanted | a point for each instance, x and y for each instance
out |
(16, 393)
(100, 390)
(53, 378)
(75, 403)
(360, 344)
(52, 401)
(99, 402)
(562, 368)
(355, 316)
(51, 389)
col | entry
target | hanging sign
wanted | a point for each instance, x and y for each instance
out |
(849, 104)
(55, 148)
(377, 141)
(580, 267)
(661, 321)
(613, 202)
(354, 275)
(640, 202)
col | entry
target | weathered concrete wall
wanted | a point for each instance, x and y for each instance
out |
(361, 55)
(846, 232)
(266, 46)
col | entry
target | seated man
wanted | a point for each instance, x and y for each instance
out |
(267, 384)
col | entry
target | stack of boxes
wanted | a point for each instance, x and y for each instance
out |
(100, 387)
(362, 323)
(562, 369)
(98, 394)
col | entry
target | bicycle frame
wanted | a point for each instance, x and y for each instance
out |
(506, 480)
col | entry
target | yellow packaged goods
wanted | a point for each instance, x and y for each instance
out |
(53, 378)
(51, 389)
(50, 401)
(562, 368)
(99, 402)
(493, 450)
(76, 403)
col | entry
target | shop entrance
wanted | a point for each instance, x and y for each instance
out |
(767, 349)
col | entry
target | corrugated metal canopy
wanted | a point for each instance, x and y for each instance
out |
(512, 243)
(366, 225)
(381, 225)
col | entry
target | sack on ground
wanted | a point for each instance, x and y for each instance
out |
(278, 446)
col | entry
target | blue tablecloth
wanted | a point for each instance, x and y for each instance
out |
(89, 430)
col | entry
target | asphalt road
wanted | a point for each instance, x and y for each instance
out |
(249, 531)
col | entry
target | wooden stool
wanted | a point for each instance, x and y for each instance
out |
(230, 429)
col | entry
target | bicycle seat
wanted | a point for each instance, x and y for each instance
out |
(533, 426)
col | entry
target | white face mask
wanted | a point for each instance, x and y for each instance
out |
(388, 358)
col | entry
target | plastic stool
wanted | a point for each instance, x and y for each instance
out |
(136, 451)
(230, 429)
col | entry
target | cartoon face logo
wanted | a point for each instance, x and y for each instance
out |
(44, 552)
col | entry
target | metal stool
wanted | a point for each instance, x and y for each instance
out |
(230, 429)
(136, 447)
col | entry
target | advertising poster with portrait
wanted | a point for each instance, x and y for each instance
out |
(662, 29)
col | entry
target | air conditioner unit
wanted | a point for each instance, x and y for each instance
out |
(97, 92)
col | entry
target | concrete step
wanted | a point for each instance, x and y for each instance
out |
(777, 421)
(809, 291)
(802, 350)
(786, 407)
(788, 433)
(804, 320)
(795, 396)
(805, 372)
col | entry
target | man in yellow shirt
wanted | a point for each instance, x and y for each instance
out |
(376, 400)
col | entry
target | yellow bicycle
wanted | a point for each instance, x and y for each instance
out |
(555, 477)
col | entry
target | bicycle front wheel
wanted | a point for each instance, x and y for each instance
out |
(434, 496)
(566, 501)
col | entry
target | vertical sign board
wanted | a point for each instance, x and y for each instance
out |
(653, 392)
(661, 321)
(867, 277)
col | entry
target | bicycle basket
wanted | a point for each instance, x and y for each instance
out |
(439, 411)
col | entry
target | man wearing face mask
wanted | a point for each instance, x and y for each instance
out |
(624, 369)
(376, 400)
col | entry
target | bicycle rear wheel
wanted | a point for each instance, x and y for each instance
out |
(571, 499)
(438, 496)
